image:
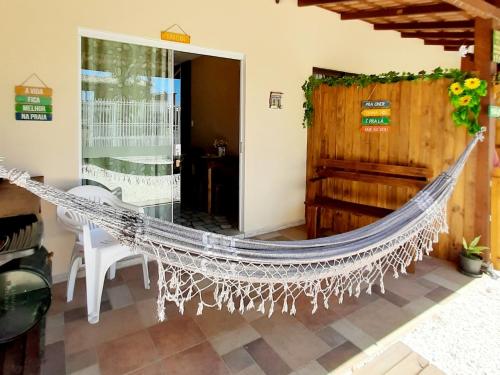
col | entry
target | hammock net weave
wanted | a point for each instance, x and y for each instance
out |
(242, 274)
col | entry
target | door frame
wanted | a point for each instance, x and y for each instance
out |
(176, 47)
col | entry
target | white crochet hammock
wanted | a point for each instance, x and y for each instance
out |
(244, 274)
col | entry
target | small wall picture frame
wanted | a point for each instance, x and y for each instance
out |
(275, 100)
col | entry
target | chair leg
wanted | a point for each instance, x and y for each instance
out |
(75, 264)
(112, 272)
(91, 276)
(145, 272)
(93, 317)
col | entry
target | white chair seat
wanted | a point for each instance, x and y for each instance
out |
(96, 248)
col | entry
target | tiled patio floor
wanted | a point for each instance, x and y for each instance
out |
(128, 339)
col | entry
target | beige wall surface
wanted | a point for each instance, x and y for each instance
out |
(215, 103)
(281, 44)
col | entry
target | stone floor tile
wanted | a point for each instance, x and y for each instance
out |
(54, 334)
(80, 313)
(126, 353)
(147, 312)
(439, 294)
(80, 335)
(427, 283)
(379, 318)
(53, 361)
(419, 306)
(295, 233)
(353, 333)
(155, 368)
(80, 361)
(390, 296)
(339, 355)
(252, 370)
(213, 321)
(436, 278)
(176, 335)
(293, 342)
(405, 286)
(240, 335)
(197, 360)
(267, 359)
(331, 336)
(312, 368)
(238, 360)
(120, 296)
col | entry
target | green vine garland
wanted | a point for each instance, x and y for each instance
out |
(465, 92)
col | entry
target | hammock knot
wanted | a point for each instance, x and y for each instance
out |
(18, 177)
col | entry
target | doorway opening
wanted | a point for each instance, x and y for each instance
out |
(209, 102)
(161, 128)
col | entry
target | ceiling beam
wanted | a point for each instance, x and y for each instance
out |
(306, 3)
(478, 8)
(451, 48)
(399, 11)
(448, 42)
(439, 25)
(438, 34)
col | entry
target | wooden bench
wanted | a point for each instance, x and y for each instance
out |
(372, 173)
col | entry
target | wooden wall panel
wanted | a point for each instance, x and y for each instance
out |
(422, 134)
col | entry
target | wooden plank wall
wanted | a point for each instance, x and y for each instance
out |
(422, 134)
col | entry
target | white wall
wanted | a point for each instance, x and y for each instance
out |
(281, 43)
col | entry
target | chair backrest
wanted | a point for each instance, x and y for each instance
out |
(74, 221)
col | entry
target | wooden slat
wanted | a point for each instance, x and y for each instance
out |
(478, 8)
(390, 169)
(398, 11)
(356, 208)
(448, 42)
(305, 3)
(439, 34)
(437, 25)
(373, 179)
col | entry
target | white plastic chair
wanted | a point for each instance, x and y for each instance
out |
(96, 248)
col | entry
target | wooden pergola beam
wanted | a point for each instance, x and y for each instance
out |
(451, 48)
(306, 3)
(478, 8)
(439, 25)
(399, 11)
(439, 34)
(449, 42)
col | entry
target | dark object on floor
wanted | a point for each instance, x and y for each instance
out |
(25, 295)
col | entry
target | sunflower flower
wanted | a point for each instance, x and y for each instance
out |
(456, 88)
(472, 83)
(464, 100)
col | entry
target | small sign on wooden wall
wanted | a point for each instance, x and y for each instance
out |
(33, 103)
(496, 46)
(375, 116)
(494, 111)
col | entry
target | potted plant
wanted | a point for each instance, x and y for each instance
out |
(470, 258)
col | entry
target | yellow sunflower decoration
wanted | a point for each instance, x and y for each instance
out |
(464, 100)
(465, 96)
(472, 83)
(456, 88)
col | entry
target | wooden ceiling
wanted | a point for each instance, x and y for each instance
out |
(447, 23)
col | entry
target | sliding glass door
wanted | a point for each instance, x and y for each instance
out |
(130, 123)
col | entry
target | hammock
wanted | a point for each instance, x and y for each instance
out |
(244, 274)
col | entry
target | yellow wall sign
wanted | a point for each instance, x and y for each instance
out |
(175, 37)
(376, 112)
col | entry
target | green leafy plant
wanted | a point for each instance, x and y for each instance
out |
(472, 250)
(465, 96)
(363, 80)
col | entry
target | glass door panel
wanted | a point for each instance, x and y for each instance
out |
(129, 123)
